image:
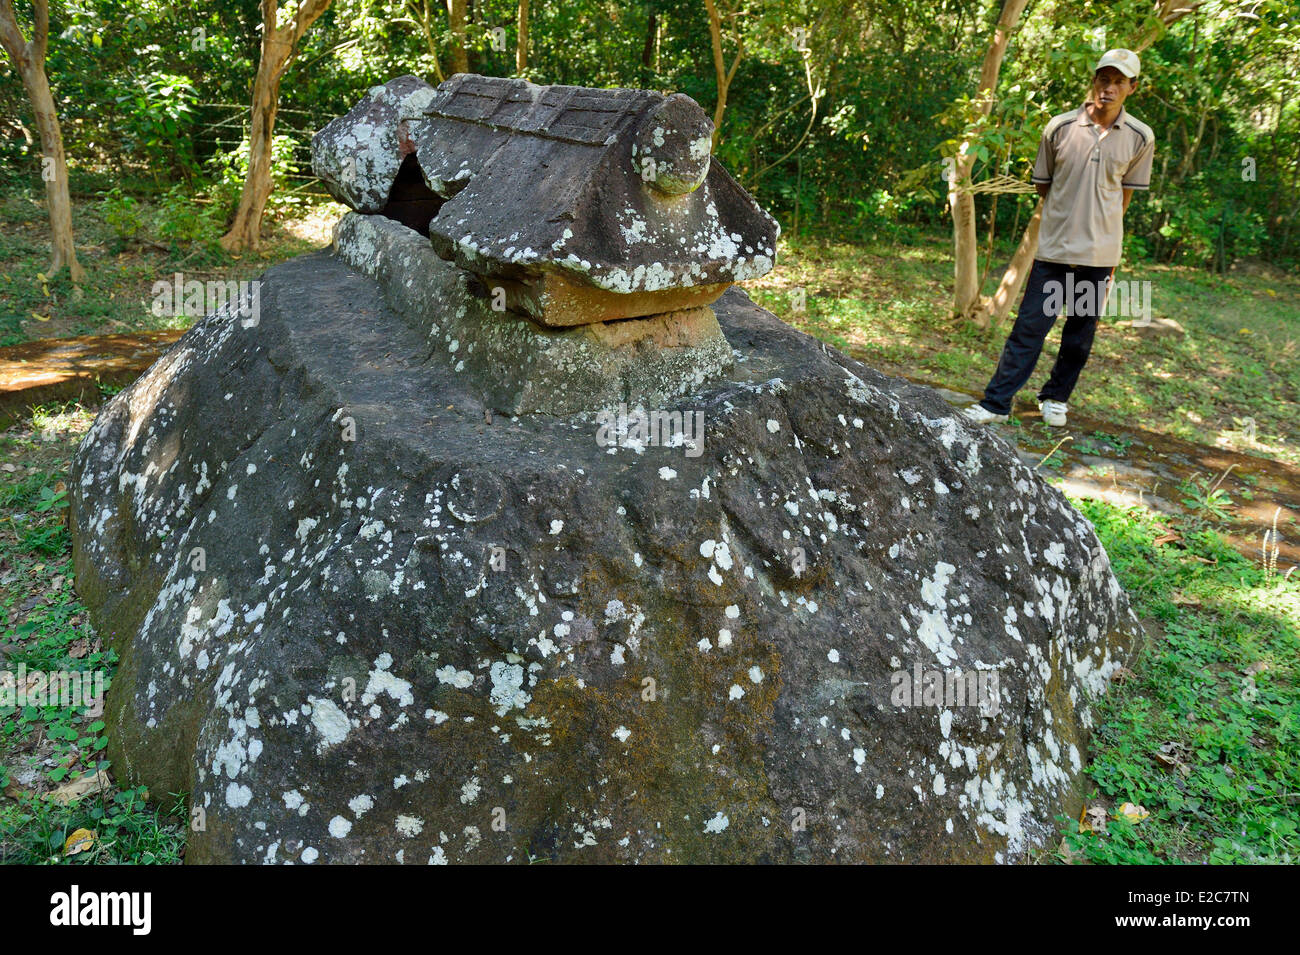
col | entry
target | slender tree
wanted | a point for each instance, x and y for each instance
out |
(966, 252)
(456, 18)
(279, 47)
(521, 39)
(420, 15)
(29, 59)
(718, 24)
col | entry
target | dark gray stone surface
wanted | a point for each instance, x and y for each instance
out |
(357, 156)
(514, 365)
(549, 178)
(600, 204)
(344, 677)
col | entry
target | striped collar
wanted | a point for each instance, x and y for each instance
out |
(1086, 120)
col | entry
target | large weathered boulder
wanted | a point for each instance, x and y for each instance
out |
(363, 619)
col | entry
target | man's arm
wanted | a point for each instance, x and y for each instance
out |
(1138, 174)
(1044, 165)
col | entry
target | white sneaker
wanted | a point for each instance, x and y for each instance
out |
(978, 414)
(1053, 412)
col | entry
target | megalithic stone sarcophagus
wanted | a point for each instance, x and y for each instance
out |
(581, 205)
(358, 616)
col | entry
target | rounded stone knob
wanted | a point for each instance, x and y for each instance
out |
(674, 146)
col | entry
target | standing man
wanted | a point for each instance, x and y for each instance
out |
(1090, 161)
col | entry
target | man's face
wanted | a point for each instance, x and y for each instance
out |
(1110, 88)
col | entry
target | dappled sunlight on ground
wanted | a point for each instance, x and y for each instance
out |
(316, 225)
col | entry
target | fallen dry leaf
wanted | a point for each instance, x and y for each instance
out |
(1093, 820)
(1167, 539)
(14, 791)
(1068, 855)
(79, 841)
(79, 648)
(82, 786)
(1133, 813)
(1174, 755)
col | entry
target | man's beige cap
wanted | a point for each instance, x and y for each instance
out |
(1126, 61)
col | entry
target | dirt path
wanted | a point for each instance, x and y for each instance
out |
(73, 369)
(1125, 464)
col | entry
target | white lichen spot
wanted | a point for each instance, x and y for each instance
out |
(717, 824)
(408, 826)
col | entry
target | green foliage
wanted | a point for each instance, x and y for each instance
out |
(122, 214)
(157, 112)
(1203, 736)
(180, 220)
(160, 90)
(43, 628)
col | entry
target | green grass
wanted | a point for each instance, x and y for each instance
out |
(44, 628)
(1204, 732)
(1239, 358)
(127, 830)
(124, 255)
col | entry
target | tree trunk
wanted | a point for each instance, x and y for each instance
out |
(279, 46)
(246, 231)
(723, 75)
(1018, 270)
(1170, 12)
(420, 17)
(521, 39)
(965, 303)
(29, 59)
(651, 33)
(456, 17)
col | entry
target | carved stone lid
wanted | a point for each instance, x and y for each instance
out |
(615, 188)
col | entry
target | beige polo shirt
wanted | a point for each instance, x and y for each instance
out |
(1089, 169)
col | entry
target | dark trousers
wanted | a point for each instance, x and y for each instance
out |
(1051, 287)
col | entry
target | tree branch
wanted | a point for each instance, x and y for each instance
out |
(41, 33)
(11, 35)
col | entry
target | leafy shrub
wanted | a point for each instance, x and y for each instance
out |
(156, 113)
(230, 169)
(122, 214)
(181, 218)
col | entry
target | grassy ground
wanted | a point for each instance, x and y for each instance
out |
(125, 246)
(1201, 732)
(50, 752)
(1239, 359)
